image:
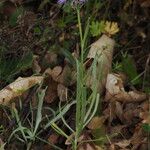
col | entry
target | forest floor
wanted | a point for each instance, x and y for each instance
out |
(48, 98)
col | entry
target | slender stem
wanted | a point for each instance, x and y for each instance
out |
(81, 34)
(80, 80)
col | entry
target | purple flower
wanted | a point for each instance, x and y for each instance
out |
(73, 1)
(62, 1)
(82, 1)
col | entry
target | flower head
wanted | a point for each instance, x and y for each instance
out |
(61, 1)
(74, 2)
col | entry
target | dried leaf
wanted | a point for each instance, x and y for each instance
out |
(145, 116)
(62, 92)
(50, 58)
(96, 122)
(51, 92)
(123, 144)
(103, 48)
(131, 111)
(145, 3)
(115, 91)
(35, 65)
(119, 111)
(86, 146)
(138, 137)
(17, 88)
(65, 76)
(117, 129)
(56, 72)
(53, 138)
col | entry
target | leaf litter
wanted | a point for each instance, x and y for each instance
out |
(123, 112)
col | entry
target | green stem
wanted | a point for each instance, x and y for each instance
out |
(80, 84)
(81, 34)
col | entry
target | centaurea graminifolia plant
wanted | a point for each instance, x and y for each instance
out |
(86, 106)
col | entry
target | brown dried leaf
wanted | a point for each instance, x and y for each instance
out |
(119, 111)
(65, 76)
(83, 145)
(88, 146)
(114, 111)
(53, 138)
(145, 116)
(48, 72)
(145, 3)
(62, 92)
(130, 112)
(103, 48)
(96, 122)
(51, 92)
(56, 72)
(115, 91)
(17, 88)
(35, 65)
(117, 129)
(123, 144)
(138, 137)
(50, 58)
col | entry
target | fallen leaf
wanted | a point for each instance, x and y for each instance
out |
(131, 111)
(119, 111)
(53, 138)
(127, 4)
(87, 146)
(117, 129)
(103, 49)
(35, 64)
(51, 92)
(50, 58)
(62, 92)
(123, 144)
(145, 116)
(17, 88)
(138, 137)
(64, 76)
(115, 91)
(112, 112)
(96, 122)
(98, 148)
(83, 145)
(144, 3)
(56, 72)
